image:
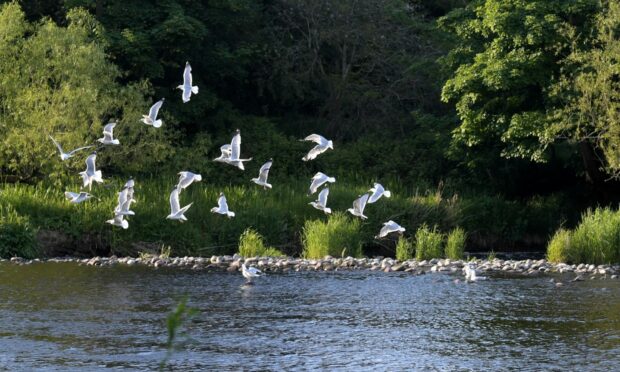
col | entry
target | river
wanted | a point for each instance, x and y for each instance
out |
(63, 316)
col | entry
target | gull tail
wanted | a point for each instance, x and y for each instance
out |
(230, 214)
(195, 89)
(157, 123)
(125, 224)
(331, 179)
(387, 194)
(98, 177)
(327, 210)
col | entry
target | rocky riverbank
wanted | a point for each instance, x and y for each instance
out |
(286, 264)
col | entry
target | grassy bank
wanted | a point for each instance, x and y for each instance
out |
(49, 225)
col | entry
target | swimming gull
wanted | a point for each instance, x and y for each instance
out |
(250, 273)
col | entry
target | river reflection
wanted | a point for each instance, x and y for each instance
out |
(60, 316)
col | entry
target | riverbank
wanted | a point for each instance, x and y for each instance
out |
(526, 267)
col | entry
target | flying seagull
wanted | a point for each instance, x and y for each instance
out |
(263, 173)
(389, 227)
(222, 207)
(129, 185)
(124, 203)
(321, 202)
(187, 87)
(91, 174)
(151, 118)
(322, 145)
(230, 155)
(250, 273)
(108, 135)
(358, 206)
(76, 198)
(319, 179)
(176, 212)
(186, 178)
(66, 155)
(377, 192)
(119, 220)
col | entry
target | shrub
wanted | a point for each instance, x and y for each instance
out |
(404, 249)
(455, 244)
(428, 243)
(17, 238)
(558, 249)
(337, 237)
(251, 245)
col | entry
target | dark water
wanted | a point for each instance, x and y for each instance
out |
(68, 317)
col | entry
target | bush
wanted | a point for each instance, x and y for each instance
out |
(339, 236)
(404, 249)
(455, 244)
(428, 243)
(251, 245)
(597, 238)
(558, 249)
(17, 238)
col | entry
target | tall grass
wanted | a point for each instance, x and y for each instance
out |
(17, 237)
(251, 244)
(428, 243)
(595, 240)
(404, 249)
(336, 237)
(455, 244)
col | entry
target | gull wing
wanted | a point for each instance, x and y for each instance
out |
(71, 195)
(384, 231)
(317, 182)
(235, 147)
(174, 201)
(90, 164)
(226, 150)
(108, 129)
(360, 203)
(314, 152)
(323, 197)
(57, 144)
(222, 204)
(79, 149)
(154, 110)
(187, 75)
(316, 138)
(263, 173)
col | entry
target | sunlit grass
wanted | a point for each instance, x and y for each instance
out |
(455, 244)
(428, 243)
(338, 236)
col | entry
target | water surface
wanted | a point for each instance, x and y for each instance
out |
(61, 316)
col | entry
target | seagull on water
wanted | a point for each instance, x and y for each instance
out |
(377, 192)
(222, 207)
(176, 212)
(230, 153)
(389, 227)
(250, 273)
(470, 273)
(319, 179)
(186, 178)
(358, 206)
(77, 197)
(119, 220)
(187, 87)
(263, 173)
(322, 145)
(321, 202)
(108, 135)
(91, 174)
(66, 155)
(151, 118)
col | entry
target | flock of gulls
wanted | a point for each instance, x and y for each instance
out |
(231, 155)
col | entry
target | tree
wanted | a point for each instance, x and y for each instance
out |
(509, 57)
(58, 81)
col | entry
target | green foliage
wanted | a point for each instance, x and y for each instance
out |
(558, 249)
(597, 238)
(59, 81)
(455, 244)
(17, 237)
(333, 237)
(251, 245)
(404, 249)
(428, 243)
